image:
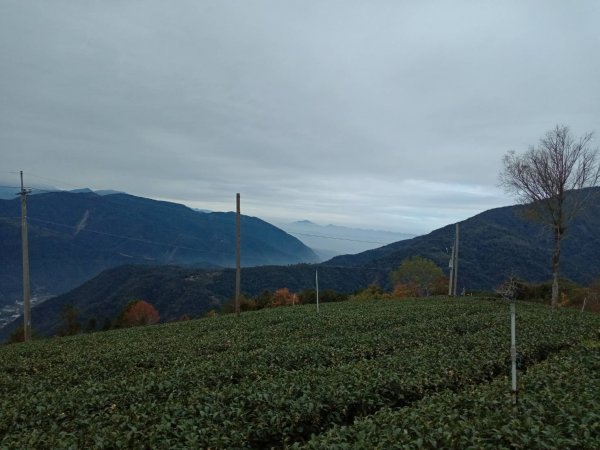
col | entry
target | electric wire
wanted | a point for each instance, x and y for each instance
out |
(338, 238)
(163, 244)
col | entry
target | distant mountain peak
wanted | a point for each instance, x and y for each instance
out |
(337, 240)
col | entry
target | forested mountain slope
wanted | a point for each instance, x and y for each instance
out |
(75, 236)
(496, 244)
(177, 291)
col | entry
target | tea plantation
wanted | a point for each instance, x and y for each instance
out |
(390, 374)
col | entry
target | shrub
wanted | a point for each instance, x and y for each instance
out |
(138, 312)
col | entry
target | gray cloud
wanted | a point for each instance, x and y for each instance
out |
(382, 114)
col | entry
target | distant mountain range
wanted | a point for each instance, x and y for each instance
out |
(9, 193)
(494, 245)
(332, 240)
(75, 236)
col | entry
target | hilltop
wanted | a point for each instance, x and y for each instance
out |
(496, 244)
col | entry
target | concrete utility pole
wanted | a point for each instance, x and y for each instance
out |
(455, 269)
(453, 280)
(237, 257)
(451, 277)
(25, 249)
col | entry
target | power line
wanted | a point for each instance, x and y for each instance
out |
(53, 180)
(130, 238)
(146, 241)
(381, 269)
(166, 244)
(36, 190)
(338, 238)
(191, 237)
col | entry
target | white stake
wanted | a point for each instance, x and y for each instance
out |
(513, 350)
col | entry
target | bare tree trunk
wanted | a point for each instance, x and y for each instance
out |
(555, 267)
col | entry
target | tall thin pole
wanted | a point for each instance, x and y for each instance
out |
(455, 265)
(317, 285)
(451, 277)
(513, 350)
(237, 256)
(25, 250)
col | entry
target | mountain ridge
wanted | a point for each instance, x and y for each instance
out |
(496, 244)
(75, 236)
(177, 291)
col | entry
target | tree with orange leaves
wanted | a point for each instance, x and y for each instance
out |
(282, 297)
(138, 312)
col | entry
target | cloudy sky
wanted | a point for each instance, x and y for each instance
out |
(383, 114)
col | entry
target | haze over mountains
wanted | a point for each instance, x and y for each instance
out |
(331, 240)
(326, 241)
(494, 244)
(75, 236)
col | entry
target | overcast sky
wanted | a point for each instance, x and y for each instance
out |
(382, 114)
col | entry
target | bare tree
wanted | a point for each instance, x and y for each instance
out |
(509, 288)
(544, 178)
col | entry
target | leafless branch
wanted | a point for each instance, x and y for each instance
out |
(551, 179)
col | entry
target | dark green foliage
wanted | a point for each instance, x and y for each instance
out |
(263, 300)
(246, 304)
(107, 325)
(372, 292)
(266, 299)
(92, 323)
(542, 292)
(175, 291)
(357, 375)
(557, 409)
(70, 316)
(18, 335)
(328, 295)
(420, 272)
